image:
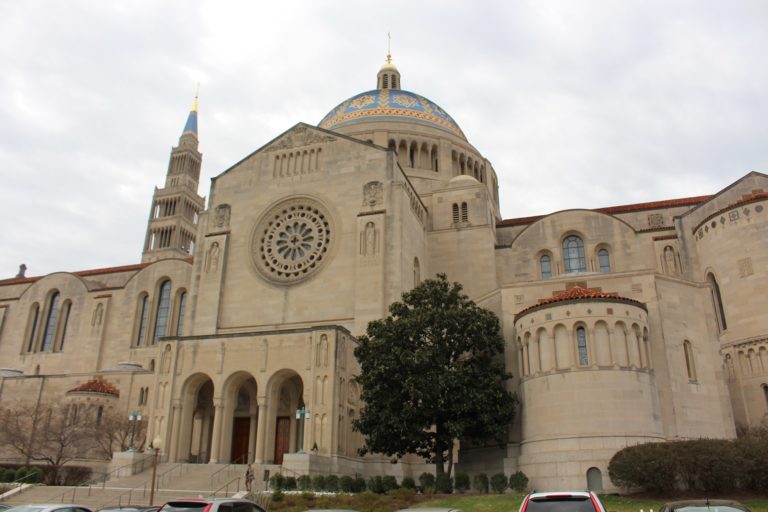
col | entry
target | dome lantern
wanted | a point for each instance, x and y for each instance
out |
(388, 76)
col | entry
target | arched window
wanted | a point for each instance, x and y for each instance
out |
(581, 342)
(690, 364)
(545, 262)
(573, 255)
(163, 307)
(65, 322)
(464, 212)
(32, 328)
(180, 318)
(765, 394)
(594, 480)
(50, 322)
(416, 272)
(455, 213)
(717, 301)
(604, 260)
(143, 317)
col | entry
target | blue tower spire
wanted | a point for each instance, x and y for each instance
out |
(191, 125)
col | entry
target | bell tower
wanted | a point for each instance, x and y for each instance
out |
(172, 225)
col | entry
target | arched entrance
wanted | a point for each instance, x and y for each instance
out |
(240, 419)
(286, 396)
(198, 417)
(594, 480)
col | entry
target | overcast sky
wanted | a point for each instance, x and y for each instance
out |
(576, 103)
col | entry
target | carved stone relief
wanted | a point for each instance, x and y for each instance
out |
(212, 258)
(373, 193)
(221, 217)
(369, 240)
(298, 137)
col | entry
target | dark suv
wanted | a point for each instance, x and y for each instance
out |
(562, 501)
(211, 505)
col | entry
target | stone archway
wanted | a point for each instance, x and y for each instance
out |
(198, 413)
(284, 432)
(239, 419)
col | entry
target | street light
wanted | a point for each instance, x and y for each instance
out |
(157, 444)
(134, 418)
(301, 414)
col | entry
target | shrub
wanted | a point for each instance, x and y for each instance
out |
(499, 483)
(318, 482)
(360, 484)
(347, 484)
(427, 481)
(461, 482)
(277, 482)
(304, 482)
(408, 483)
(389, 483)
(331, 483)
(444, 484)
(278, 495)
(376, 484)
(518, 481)
(290, 483)
(20, 473)
(480, 483)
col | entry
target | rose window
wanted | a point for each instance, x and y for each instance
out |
(291, 240)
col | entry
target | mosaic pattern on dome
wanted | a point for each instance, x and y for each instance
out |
(392, 104)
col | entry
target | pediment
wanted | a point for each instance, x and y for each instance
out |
(300, 136)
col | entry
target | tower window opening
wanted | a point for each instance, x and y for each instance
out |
(464, 212)
(690, 364)
(581, 342)
(455, 213)
(573, 254)
(385, 82)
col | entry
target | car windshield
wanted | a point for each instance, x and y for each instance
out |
(184, 506)
(561, 504)
(710, 508)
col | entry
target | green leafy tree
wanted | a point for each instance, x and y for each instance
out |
(431, 374)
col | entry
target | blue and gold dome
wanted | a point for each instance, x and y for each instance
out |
(390, 104)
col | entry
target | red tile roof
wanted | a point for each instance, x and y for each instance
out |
(87, 273)
(578, 293)
(613, 210)
(96, 386)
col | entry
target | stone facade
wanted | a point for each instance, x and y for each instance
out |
(623, 325)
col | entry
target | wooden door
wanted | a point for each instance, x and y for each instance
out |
(241, 430)
(282, 437)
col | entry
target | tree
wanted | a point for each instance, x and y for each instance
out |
(431, 373)
(56, 434)
(47, 434)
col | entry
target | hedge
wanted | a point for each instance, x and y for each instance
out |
(707, 465)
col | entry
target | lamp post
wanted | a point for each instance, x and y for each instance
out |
(301, 414)
(134, 418)
(157, 444)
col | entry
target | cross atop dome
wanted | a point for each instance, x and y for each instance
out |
(388, 76)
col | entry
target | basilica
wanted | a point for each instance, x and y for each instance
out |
(234, 334)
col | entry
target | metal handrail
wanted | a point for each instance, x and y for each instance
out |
(237, 461)
(226, 491)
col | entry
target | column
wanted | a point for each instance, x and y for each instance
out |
(173, 442)
(216, 437)
(252, 437)
(261, 431)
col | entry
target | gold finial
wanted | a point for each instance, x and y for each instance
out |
(389, 48)
(197, 93)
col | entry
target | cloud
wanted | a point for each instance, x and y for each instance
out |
(584, 104)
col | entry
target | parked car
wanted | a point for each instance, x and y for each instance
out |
(430, 509)
(562, 501)
(50, 507)
(130, 508)
(704, 506)
(211, 505)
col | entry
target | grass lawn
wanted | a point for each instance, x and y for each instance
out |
(612, 503)
(368, 502)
